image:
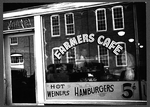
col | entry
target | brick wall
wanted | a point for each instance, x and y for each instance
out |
(25, 47)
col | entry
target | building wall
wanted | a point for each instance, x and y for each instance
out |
(25, 47)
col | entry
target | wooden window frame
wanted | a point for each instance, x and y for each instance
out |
(66, 30)
(13, 43)
(102, 20)
(100, 56)
(55, 48)
(113, 19)
(124, 54)
(68, 55)
(57, 25)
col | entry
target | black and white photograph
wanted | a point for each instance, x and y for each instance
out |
(75, 53)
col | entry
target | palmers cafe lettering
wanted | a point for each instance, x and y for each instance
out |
(85, 38)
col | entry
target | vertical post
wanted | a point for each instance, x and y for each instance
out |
(38, 51)
(89, 49)
(7, 71)
(137, 48)
(30, 54)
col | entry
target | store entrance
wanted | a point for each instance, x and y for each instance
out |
(20, 50)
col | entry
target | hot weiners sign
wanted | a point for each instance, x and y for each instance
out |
(85, 38)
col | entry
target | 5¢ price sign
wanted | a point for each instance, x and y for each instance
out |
(128, 90)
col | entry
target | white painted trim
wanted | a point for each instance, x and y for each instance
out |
(18, 30)
(25, 104)
(38, 54)
(108, 58)
(69, 24)
(101, 102)
(97, 19)
(43, 60)
(21, 34)
(4, 75)
(54, 8)
(98, 53)
(7, 70)
(53, 53)
(114, 20)
(52, 26)
(67, 57)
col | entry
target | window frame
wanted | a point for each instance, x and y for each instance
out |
(67, 56)
(97, 19)
(53, 61)
(113, 19)
(52, 35)
(69, 24)
(17, 55)
(19, 64)
(98, 46)
(13, 43)
(124, 54)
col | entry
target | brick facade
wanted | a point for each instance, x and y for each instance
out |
(85, 23)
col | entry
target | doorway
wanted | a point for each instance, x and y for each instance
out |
(20, 68)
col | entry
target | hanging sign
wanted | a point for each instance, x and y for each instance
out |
(93, 91)
(85, 38)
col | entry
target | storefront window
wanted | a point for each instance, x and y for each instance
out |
(92, 64)
(105, 57)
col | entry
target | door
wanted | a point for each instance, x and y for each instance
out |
(20, 68)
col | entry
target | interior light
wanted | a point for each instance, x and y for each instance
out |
(131, 40)
(141, 46)
(90, 75)
(121, 33)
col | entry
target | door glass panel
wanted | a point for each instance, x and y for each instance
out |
(22, 69)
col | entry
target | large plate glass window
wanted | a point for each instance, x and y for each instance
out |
(91, 65)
